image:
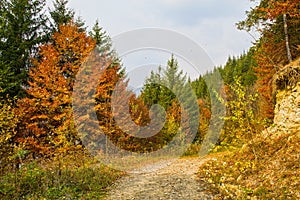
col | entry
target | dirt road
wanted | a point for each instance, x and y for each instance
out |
(169, 179)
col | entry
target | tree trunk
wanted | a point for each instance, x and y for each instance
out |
(288, 51)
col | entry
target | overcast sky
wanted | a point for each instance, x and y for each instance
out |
(210, 23)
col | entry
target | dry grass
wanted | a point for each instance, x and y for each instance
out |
(265, 168)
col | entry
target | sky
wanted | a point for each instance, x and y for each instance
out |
(210, 23)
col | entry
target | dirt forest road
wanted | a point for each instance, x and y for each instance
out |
(172, 179)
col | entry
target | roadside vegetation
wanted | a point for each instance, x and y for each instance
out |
(48, 151)
(261, 159)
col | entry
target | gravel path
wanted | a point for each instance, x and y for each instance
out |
(171, 179)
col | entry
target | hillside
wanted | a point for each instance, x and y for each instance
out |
(267, 166)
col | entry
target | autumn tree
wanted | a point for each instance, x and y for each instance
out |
(204, 120)
(278, 23)
(135, 125)
(107, 113)
(112, 74)
(143, 129)
(8, 131)
(240, 123)
(95, 86)
(203, 97)
(123, 118)
(47, 124)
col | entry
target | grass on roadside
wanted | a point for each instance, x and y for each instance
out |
(267, 168)
(64, 178)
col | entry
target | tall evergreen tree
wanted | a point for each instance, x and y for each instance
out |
(170, 89)
(200, 88)
(104, 43)
(242, 66)
(61, 14)
(23, 26)
(160, 86)
(152, 88)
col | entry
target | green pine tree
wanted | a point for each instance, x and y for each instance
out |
(160, 87)
(103, 42)
(22, 29)
(170, 89)
(61, 14)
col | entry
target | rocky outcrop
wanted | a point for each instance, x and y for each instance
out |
(287, 109)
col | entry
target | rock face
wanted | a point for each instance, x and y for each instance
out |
(287, 109)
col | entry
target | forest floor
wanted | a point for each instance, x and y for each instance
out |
(167, 179)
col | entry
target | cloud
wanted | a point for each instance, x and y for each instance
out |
(209, 22)
(190, 12)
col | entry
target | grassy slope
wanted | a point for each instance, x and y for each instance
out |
(266, 168)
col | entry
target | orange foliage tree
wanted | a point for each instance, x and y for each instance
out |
(278, 21)
(204, 119)
(106, 111)
(94, 117)
(47, 123)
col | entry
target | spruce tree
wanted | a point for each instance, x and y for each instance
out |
(61, 14)
(23, 25)
(152, 88)
(104, 43)
(161, 86)
(169, 88)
